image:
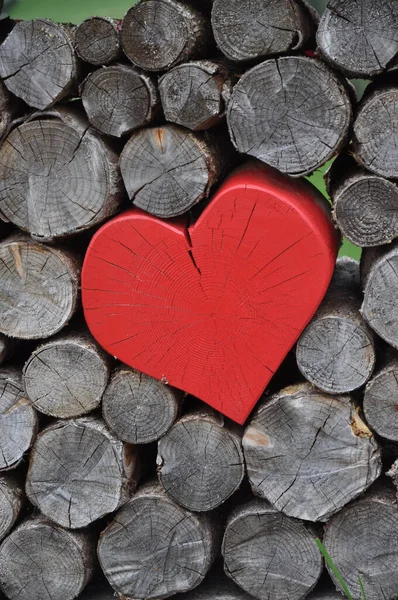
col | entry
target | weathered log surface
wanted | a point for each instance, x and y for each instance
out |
(154, 548)
(200, 460)
(79, 472)
(336, 352)
(67, 376)
(96, 40)
(58, 177)
(309, 454)
(216, 586)
(18, 419)
(138, 408)
(41, 560)
(293, 113)
(270, 555)
(11, 499)
(38, 63)
(7, 109)
(380, 401)
(159, 34)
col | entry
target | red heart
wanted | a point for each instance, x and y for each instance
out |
(213, 310)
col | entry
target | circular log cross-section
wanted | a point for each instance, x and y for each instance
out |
(41, 560)
(159, 34)
(292, 113)
(39, 288)
(11, 498)
(118, 99)
(359, 38)
(79, 472)
(309, 454)
(380, 402)
(138, 408)
(167, 170)
(57, 177)
(96, 40)
(155, 549)
(66, 377)
(38, 63)
(270, 555)
(200, 462)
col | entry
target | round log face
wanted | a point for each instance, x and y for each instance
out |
(97, 41)
(380, 403)
(10, 504)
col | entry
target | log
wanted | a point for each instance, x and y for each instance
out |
(67, 376)
(138, 408)
(159, 34)
(168, 169)
(309, 454)
(293, 113)
(96, 40)
(270, 555)
(359, 38)
(195, 94)
(18, 419)
(246, 31)
(380, 404)
(58, 177)
(41, 560)
(216, 586)
(336, 352)
(79, 472)
(38, 63)
(7, 109)
(11, 500)
(39, 288)
(155, 549)
(200, 460)
(119, 99)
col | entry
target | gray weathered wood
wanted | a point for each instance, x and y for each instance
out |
(40, 560)
(336, 352)
(66, 376)
(79, 472)
(293, 113)
(96, 40)
(58, 176)
(359, 38)
(246, 30)
(11, 500)
(18, 419)
(309, 454)
(38, 63)
(167, 170)
(270, 555)
(119, 99)
(195, 94)
(138, 408)
(39, 288)
(7, 109)
(216, 586)
(159, 34)
(200, 460)
(155, 549)
(380, 401)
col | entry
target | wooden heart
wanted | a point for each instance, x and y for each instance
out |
(213, 308)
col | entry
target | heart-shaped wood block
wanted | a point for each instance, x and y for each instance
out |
(213, 308)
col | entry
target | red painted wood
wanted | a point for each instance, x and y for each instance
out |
(213, 310)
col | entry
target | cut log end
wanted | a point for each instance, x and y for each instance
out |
(96, 41)
(11, 499)
(380, 402)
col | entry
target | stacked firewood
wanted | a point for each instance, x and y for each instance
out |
(112, 481)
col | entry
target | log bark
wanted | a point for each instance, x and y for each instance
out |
(246, 31)
(159, 34)
(96, 40)
(380, 403)
(41, 560)
(167, 170)
(39, 288)
(119, 99)
(195, 94)
(200, 460)
(67, 376)
(359, 38)
(80, 472)
(292, 113)
(309, 454)
(58, 177)
(155, 549)
(216, 586)
(38, 63)
(270, 555)
(336, 352)
(138, 408)
(18, 419)
(11, 500)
